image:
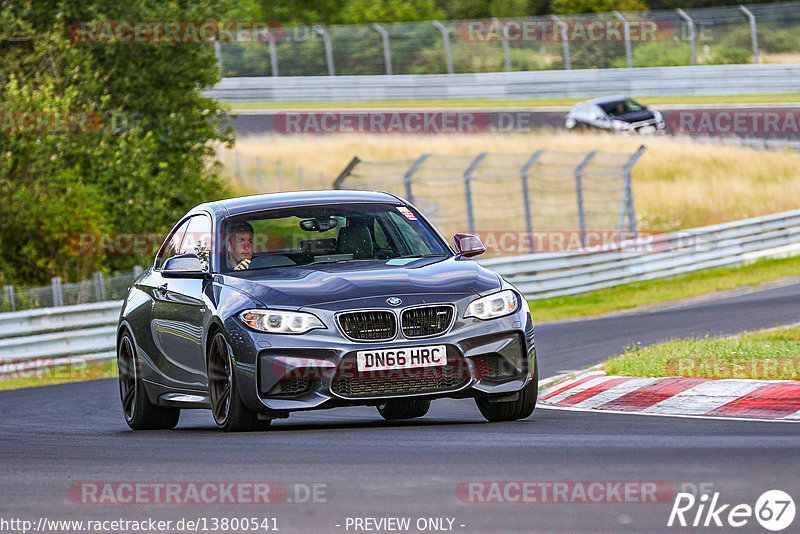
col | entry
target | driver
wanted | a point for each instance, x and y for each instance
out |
(239, 244)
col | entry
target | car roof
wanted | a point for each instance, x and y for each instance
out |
(606, 99)
(242, 205)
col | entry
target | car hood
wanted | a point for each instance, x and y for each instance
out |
(636, 116)
(313, 285)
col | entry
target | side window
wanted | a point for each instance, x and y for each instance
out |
(172, 245)
(198, 239)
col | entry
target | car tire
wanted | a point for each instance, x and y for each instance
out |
(513, 410)
(139, 412)
(403, 409)
(229, 412)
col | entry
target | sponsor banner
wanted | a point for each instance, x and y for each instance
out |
(564, 492)
(574, 30)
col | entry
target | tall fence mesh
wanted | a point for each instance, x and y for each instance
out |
(541, 191)
(719, 35)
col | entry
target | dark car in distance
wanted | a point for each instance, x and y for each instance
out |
(259, 306)
(615, 114)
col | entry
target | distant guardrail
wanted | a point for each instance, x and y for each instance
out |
(649, 81)
(38, 338)
(543, 275)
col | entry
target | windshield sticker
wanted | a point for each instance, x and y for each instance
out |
(407, 212)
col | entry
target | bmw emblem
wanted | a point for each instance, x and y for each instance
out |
(394, 301)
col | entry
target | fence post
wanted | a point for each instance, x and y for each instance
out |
(627, 195)
(137, 271)
(337, 183)
(302, 175)
(326, 40)
(506, 51)
(218, 54)
(387, 51)
(259, 175)
(238, 166)
(280, 176)
(523, 174)
(448, 54)
(753, 32)
(58, 296)
(99, 286)
(579, 195)
(468, 189)
(564, 41)
(409, 175)
(321, 181)
(627, 30)
(273, 53)
(692, 33)
(9, 290)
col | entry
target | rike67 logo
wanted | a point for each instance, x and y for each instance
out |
(774, 510)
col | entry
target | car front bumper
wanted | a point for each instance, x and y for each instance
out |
(282, 373)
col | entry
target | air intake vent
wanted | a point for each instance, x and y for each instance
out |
(427, 321)
(368, 325)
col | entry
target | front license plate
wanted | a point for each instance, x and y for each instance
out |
(647, 129)
(402, 358)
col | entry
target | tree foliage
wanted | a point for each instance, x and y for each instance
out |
(144, 164)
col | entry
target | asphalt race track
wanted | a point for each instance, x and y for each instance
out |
(52, 438)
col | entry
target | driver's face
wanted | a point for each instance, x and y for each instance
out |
(240, 246)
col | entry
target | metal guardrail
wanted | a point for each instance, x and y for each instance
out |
(71, 334)
(544, 275)
(650, 81)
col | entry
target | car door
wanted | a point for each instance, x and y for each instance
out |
(179, 309)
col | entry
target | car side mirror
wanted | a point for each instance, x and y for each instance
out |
(468, 245)
(183, 266)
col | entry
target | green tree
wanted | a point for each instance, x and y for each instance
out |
(151, 159)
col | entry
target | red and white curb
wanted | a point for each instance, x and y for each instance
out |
(593, 389)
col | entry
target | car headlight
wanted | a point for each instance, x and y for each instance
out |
(493, 306)
(280, 322)
(620, 125)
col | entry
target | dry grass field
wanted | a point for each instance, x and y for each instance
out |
(676, 184)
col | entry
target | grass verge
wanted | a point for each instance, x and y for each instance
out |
(532, 102)
(652, 292)
(765, 355)
(45, 376)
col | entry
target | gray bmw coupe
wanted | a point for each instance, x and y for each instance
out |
(259, 306)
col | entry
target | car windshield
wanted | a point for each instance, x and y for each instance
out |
(621, 107)
(326, 234)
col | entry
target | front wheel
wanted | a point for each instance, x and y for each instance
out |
(230, 413)
(512, 410)
(140, 413)
(403, 409)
